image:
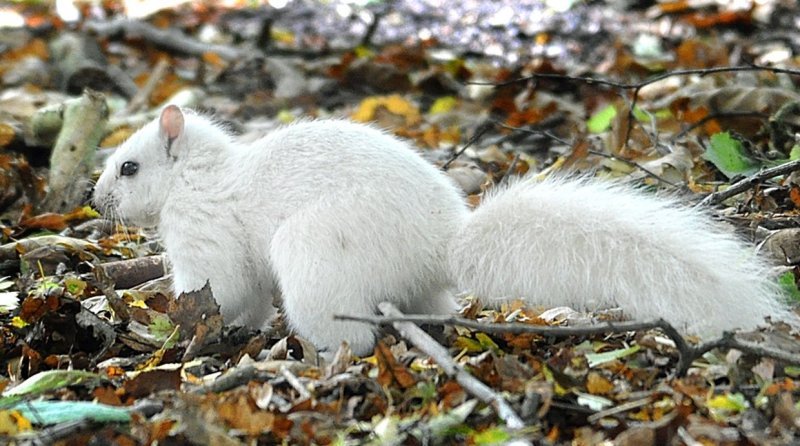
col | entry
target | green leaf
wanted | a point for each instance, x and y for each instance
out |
(486, 342)
(443, 105)
(161, 327)
(794, 154)
(596, 359)
(444, 422)
(51, 380)
(470, 345)
(494, 435)
(601, 121)
(46, 381)
(723, 406)
(726, 153)
(789, 286)
(55, 412)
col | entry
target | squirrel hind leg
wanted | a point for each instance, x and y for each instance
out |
(329, 262)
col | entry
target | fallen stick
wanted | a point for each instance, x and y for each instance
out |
(171, 39)
(132, 272)
(687, 353)
(427, 344)
(750, 182)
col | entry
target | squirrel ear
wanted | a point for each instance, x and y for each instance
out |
(171, 125)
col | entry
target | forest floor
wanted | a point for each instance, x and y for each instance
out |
(695, 99)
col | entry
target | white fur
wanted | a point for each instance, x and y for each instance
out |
(339, 216)
(593, 245)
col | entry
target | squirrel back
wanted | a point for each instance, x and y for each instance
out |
(592, 244)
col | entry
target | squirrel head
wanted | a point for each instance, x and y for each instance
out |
(137, 178)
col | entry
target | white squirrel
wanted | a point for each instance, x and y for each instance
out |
(338, 216)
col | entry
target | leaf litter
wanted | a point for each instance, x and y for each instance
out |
(514, 86)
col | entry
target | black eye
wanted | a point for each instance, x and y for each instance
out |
(129, 168)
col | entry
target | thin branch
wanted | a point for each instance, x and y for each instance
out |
(636, 87)
(166, 38)
(510, 171)
(635, 166)
(593, 152)
(544, 133)
(475, 137)
(142, 96)
(712, 116)
(750, 182)
(686, 352)
(424, 342)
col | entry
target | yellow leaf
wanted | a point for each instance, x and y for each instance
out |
(6, 134)
(18, 322)
(285, 116)
(363, 52)
(598, 385)
(116, 137)
(282, 36)
(468, 344)
(12, 422)
(394, 104)
(443, 105)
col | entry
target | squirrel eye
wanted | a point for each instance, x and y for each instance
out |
(128, 168)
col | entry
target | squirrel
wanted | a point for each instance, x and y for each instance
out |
(336, 216)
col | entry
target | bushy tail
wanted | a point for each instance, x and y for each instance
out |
(591, 245)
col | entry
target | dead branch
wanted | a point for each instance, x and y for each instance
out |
(106, 285)
(686, 352)
(750, 182)
(636, 87)
(475, 137)
(439, 354)
(142, 96)
(132, 272)
(72, 160)
(171, 39)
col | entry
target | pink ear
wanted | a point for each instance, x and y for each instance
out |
(171, 122)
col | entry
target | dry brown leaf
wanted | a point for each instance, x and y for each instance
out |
(152, 381)
(597, 384)
(390, 370)
(240, 413)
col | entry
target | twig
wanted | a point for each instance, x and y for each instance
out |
(295, 383)
(635, 165)
(439, 354)
(593, 418)
(143, 95)
(366, 40)
(636, 87)
(639, 85)
(544, 133)
(686, 352)
(712, 116)
(166, 38)
(547, 134)
(52, 434)
(260, 371)
(106, 285)
(510, 170)
(750, 182)
(132, 272)
(475, 137)
(239, 376)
